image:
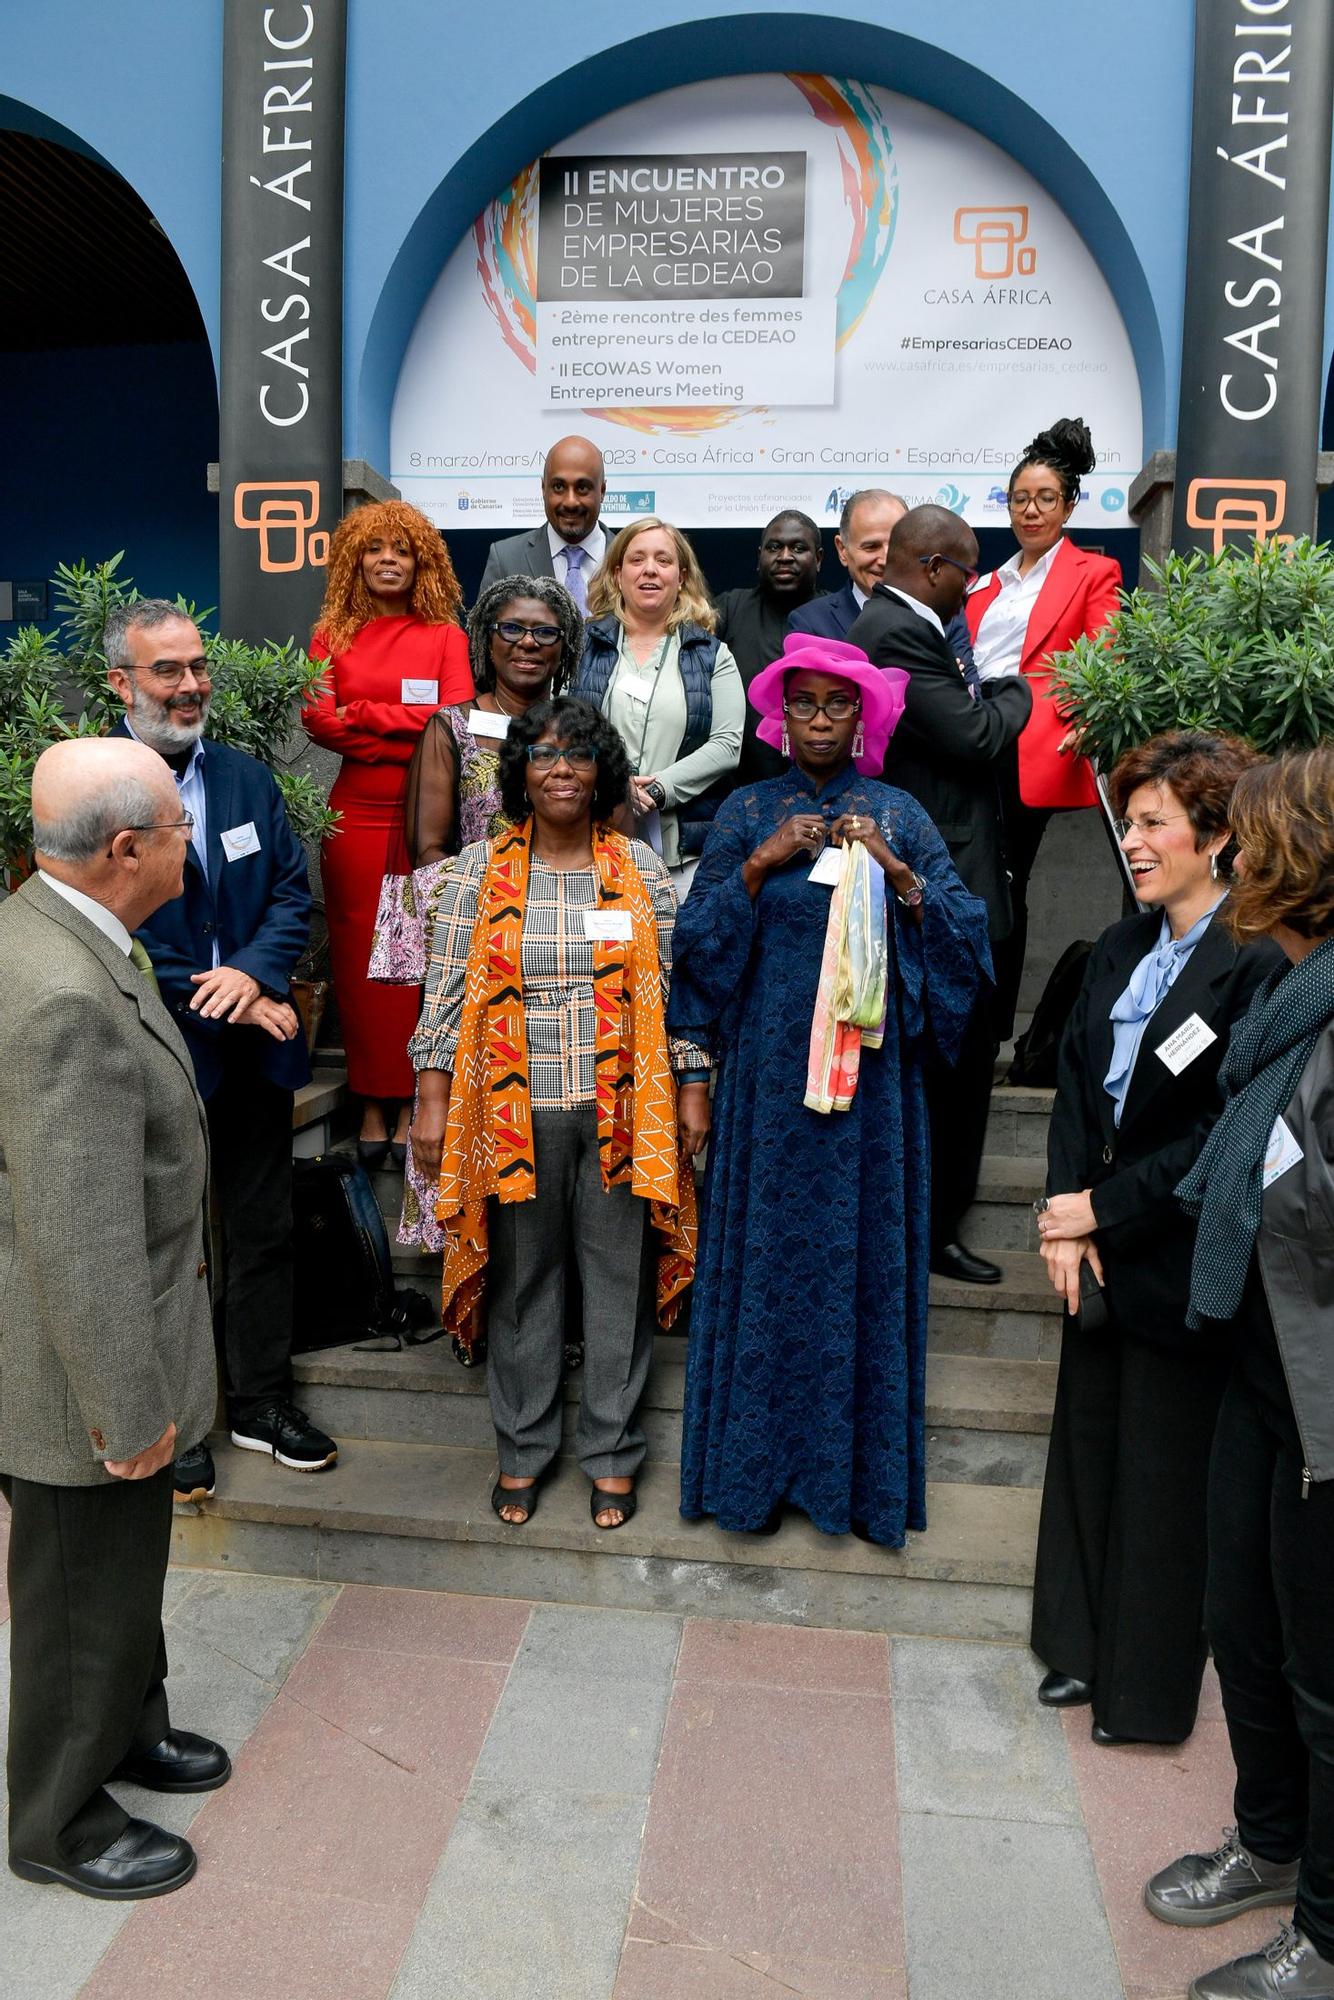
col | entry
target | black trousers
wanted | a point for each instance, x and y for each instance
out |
(250, 1135)
(958, 1100)
(1118, 1597)
(1024, 828)
(87, 1658)
(1270, 1614)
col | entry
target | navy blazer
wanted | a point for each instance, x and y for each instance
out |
(257, 908)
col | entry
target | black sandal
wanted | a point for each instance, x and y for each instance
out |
(515, 1496)
(603, 1502)
(572, 1356)
(468, 1357)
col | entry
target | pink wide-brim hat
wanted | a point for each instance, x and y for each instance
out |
(883, 691)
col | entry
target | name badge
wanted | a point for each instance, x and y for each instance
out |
(608, 926)
(480, 723)
(1185, 1043)
(1281, 1153)
(239, 841)
(828, 868)
(420, 694)
(639, 685)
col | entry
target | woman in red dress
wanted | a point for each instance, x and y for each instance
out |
(389, 627)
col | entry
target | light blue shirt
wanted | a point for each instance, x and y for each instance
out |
(1150, 982)
(190, 792)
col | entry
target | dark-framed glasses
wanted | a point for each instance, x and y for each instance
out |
(805, 708)
(511, 631)
(172, 672)
(546, 756)
(1046, 503)
(970, 575)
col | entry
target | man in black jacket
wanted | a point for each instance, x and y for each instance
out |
(945, 752)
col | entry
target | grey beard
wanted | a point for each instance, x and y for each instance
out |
(161, 733)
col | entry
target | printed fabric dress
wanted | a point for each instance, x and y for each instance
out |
(806, 1368)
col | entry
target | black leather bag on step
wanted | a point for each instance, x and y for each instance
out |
(1037, 1048)
(344, 1289)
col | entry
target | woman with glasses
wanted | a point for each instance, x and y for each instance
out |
(553, 1119)
(389, 628)
(654, 666)
(1047, 595)
(524, 637)
(1119, 1592)
(805, 1374)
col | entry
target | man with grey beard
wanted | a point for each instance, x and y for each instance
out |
(224, 954)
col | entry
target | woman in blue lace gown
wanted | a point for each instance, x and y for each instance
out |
(805, 1375)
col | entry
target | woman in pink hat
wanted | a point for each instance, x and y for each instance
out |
(819, 981)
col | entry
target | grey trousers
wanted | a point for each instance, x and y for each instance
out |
(608, 1236)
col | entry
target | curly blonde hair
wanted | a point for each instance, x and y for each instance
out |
(436, 597)
(1282, 817)
(692, 606)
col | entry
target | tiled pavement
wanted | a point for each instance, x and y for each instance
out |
(453, 1798)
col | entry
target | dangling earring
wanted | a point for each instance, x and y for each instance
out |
(1214, 875)
(859, 741)
(787, 747)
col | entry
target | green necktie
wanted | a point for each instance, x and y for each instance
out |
(143, 965)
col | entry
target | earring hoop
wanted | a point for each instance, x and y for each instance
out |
(1214, 874)
(787, 746)
(859, 741)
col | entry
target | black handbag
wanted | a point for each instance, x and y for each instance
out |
(344, 1290)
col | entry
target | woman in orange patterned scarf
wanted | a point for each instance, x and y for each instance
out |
(552, 1114)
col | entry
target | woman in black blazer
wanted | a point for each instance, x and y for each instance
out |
(1119, 1590)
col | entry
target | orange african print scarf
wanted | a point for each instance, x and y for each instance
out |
(488, 1146)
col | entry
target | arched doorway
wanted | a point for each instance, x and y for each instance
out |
(109, 399)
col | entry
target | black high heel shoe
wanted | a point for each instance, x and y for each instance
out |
(373, 1154)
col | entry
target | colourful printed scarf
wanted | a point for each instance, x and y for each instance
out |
(852, 995)
(488, 1146)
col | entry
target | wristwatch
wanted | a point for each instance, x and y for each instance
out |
(657, 793)
(915, 894)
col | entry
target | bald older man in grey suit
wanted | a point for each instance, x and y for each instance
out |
(107, 1363)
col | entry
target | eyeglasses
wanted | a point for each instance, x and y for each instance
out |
(546, 756)
(970, 575)
(805, 708)
(1046, 503)
(511, 631)
(1152, 823)
(169, 674)
(186, 824)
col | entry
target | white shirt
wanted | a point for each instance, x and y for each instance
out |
(97, 913)
(999, 645)
(859, 594)
(595, 542)
(922, 610)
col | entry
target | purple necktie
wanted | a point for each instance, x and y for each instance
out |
(574, 577)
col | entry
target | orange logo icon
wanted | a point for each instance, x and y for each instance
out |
(996, 238)
(279, 508)
(1253, 507)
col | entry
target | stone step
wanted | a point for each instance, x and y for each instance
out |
(1017, 1122)
(419, 1517)
(1001, 1217)
(987, 1421)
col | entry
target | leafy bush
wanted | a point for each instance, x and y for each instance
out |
(1242, 641)
(53, 687)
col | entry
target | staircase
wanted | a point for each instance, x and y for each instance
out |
(409, 1503)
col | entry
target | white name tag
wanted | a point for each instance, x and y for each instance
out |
(418, 694)
(608, 926)
(482, 724)
(1185, 1043)
(240, 840)
(1282, 1152)
(828, 868)
(639, 685)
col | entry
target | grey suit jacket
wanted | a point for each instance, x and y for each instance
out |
(525, 555)
(105, 1329)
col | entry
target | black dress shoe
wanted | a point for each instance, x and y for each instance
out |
(144, 1860)
(951, 1260)
(1064, 1691)
(1107, 1740)
(181, 1762)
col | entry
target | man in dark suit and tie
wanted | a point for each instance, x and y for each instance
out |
(945, 752)
(572, 541)
(224, 954)
(862, 544)
(105, 1340)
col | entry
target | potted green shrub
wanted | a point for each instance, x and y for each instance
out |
(1242, 641)
(54, 686)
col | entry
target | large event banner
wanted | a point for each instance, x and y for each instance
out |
(764, 292)
(1251, 377)
(281, 486)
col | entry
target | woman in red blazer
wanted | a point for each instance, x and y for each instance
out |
(1044, 598)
